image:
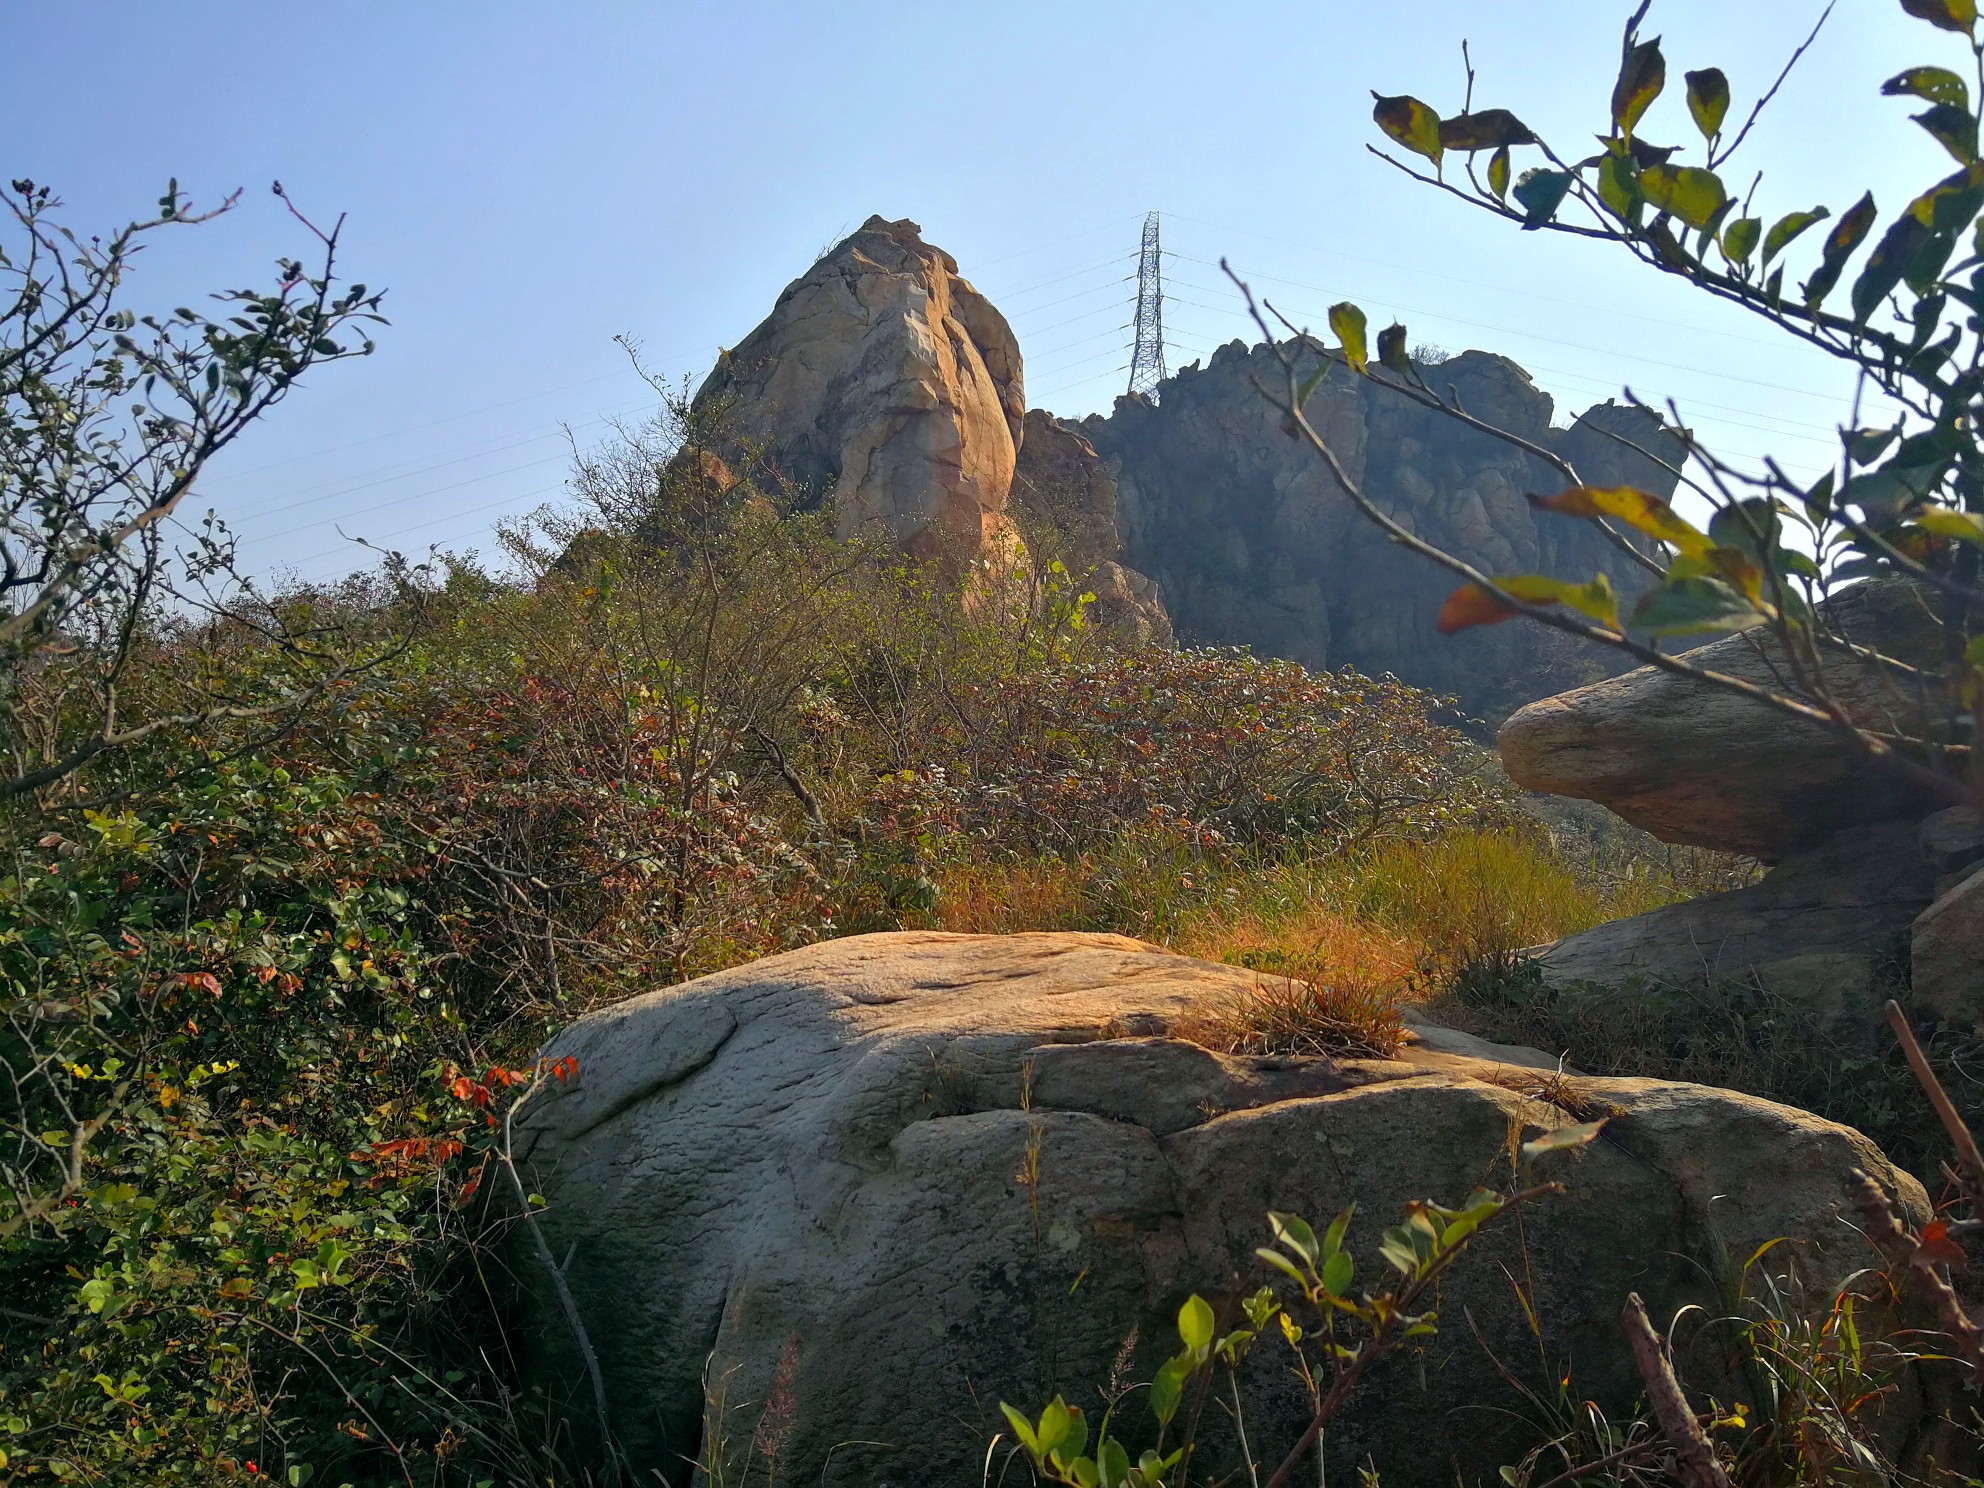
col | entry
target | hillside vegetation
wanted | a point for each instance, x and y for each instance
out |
(267, 984)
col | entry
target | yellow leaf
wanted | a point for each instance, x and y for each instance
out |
(1641, 510)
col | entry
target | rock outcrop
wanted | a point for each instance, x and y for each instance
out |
(1874, 892)
(1252, 543)
(1946, 946)
(1828, 928)
(883, 380)
(895, 1179)
(1707, 766)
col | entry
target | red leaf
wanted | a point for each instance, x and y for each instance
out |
(1468, 606)
(1936, 1248)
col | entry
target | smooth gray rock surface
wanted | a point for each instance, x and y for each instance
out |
(1826, 929)
(932, 1172)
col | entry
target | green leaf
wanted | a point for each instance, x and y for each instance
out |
(1113, 1463)
(1846, 235)
(1952, 202)
(1921, 275)
(1391, 348)
(1055, 1423)
(1953, 128)
(1641, 77)
(1708, 100)
(1788, 227)
(1948, 15)
(1751, 525)
(1076, 1436)
(1294, 1232)
(1023, 1429)
(1398, 1249)
(1195, 1320)
(1540, 192)
(1739, 239)
(1641, 510)
(1333, 1236)
(1282, 1263)
(1167, 1388)
(1692, 606)
(1471, 605)
(1410, 123)
(1690, 193)
(1563, 1138)
(1487, 129)
(1337, 1272)
(1347, 322)
(1618, 182)
(1932, 84)
(1498, 173)
(1890, 259)
(1864, 446)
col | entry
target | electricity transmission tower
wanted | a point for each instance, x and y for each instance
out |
(1147, 360)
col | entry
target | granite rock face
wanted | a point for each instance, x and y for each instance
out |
(883, 380)
(1064, 498)
(1252, 543)
(917, 1174)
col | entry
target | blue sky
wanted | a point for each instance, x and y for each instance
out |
(529, 180)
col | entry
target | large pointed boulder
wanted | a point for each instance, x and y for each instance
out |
(883, 381)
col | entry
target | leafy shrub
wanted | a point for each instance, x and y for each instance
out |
(1212, 745)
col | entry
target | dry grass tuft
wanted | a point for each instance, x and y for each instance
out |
(1300, 1016)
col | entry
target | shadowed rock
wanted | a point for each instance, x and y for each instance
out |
(1252, 542)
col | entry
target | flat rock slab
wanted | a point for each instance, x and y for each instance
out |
(1698, 764)
(912, 1175)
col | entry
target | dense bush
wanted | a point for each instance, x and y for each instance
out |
(1216, 746)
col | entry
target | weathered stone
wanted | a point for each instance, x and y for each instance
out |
(1703, 765)
(1947, 954)
(1827, 929)
(1953, 840)
(1252, 542)
(1064, 497)
(1064, 494)
(1127, 605)
(915, 1174)
(885, 381)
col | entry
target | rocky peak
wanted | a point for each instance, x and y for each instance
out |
(886, 382)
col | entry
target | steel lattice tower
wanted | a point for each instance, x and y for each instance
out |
(1147, 359)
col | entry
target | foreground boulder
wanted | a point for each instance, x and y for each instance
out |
(884, 381)
(835, 1205)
